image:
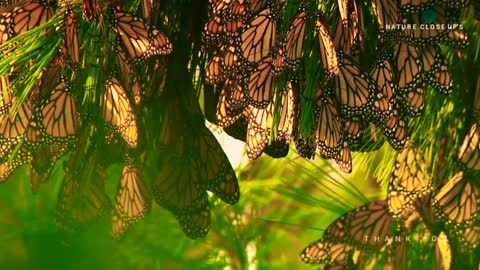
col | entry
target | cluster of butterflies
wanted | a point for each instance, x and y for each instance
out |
(269, 85)
(95, 129)
(418, 200)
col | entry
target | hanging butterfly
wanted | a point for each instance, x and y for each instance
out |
(81, 199)
(386, 12)
(357, 93)
(230, 62)
(279, 146)
(57, 115)
(220, 176)
(408, 68)
(213, 72)
(258, 131)
(132, 199)
(362, 229)
(348, 35)
(183, 192)
(295, 37)
(435, 69)
(329, 130)
(327, 48)
(70, 46)
(140, 39)
(469, 151)
(393, 126)
(117, 112)
(410, 180)
(258, 36)
(24, 18)
(457, 201)
(260, 84)
(212, 34)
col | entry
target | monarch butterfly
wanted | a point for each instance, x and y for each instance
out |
(358, 229)
(329, 130)
(230, 62)
(212, 31)
(344, 158)
(469, 151)
(278, 61)
(190, 206)
(81, 199)
(24, 18)
(286, 117)
(454, 35)
(457, 201)
(259, 85)
(283, 121)
(327, 49)
(258, 36)
(258, 131)
(214, 73)
(346, 38)
(410, 180)
(132, 199)
(395, 129)
(350, 25)
(393, 126)
(408, 68)
(386, 12)
(70, 37)
(295, 36)
(435, 69)
(220, 176)
(118, 112)
(141, 40)
(354, 90)
(57, 115)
